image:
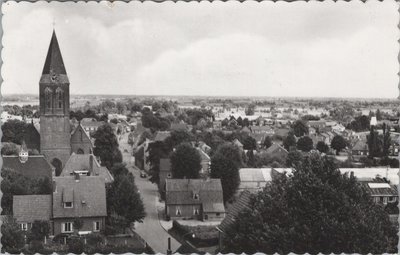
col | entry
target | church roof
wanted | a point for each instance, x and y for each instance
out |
(54, 62)
(36, 166)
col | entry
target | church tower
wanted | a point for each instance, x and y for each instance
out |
(54, 108)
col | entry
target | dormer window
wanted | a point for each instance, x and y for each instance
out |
(68, 205)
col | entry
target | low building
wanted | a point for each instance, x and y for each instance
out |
(30, 208)
(200, 199)
(381, 192)
(276, 150)
(254, 179)
(360, 148)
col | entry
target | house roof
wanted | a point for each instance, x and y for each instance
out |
(239, 205)
(370, 173)
(89, 197)
(237, 142)
(203, 155)
(165, 165)
(254, 178)
(380, 189)
(259, 137)
(179, 126)
(360, 145)
(81, 162)
(276, 148)
(28, 208)
(35, 166)
(161, 136)
(181, 192)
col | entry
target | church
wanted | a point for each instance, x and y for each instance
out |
(56, 138)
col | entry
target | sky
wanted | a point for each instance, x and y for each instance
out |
(314, 49)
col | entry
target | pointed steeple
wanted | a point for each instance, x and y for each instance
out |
(54, 63)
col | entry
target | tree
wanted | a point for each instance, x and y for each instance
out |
(250, 109)
(316, 210)
(123, 199)
(267, 142)
(294, 158)
(300, 128)
(386, 140)
(39, 230)
(106, 146)
(249, 143)
(177, 137)
(13, 131)
(338, 143)
(305, 143)
(225, 164)
(322, 147)
(119, 169)
(9, 149)
(290, 141)
(185, 162)
(374, 143)
(12, 236)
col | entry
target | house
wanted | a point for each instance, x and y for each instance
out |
(381, 192)
(254, 179)
(360, 148)
(87, 165)
(90, 125)
(262, 130)
(276, 150)
(31, 166)
(205, 162)
(80, 141)
(238, 144)
(217, 125)
(199, 199)
(29, 208)
(165, 173)
(79, 197)
(259, 137)
(243, 202)
(317, 124)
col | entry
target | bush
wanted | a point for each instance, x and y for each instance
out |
(76, 245)
(94, 239)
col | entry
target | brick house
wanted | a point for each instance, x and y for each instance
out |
(79, 197)
(29, 208)
(194, 199)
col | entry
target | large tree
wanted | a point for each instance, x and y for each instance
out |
(305, 144)
(374, 143)
(185, 162)
(300, 128)
(13, 131)
(123, 200)
(322, 147)
(290, 141)
(386, 141)
(315, 210)
(12, 238)
(106, 146)
(225, 164)
(338, 143)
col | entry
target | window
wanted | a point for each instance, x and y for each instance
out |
(66, 227)
(392, 199)
(24, 226)
(68, 205)
(169, 176)
(178, 211)
(196, 211)
(196, 196)
(59, 98)
(96, 226)
(48, 98)
(218, 214)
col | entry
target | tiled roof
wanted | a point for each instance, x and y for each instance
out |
(360, 145)
(79, 162)
(181, 192)
(36, 166)
(391, 190)
(89, 197)
(240, 204)
(28, 208)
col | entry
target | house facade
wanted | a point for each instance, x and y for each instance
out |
(199, 199)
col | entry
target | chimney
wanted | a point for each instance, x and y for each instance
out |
(91, 164)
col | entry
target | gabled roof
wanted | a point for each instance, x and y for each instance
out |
(181, 192)
(203, 155)
(81, 162)
(237, 142)
(239, 205)
(86, 135)
(36, 166)
(360, 145)
(28, 208)
(276, 148)
(54, 62)
(89, 197)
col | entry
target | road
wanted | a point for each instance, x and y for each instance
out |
(150, 230)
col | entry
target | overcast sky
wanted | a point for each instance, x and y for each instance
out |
(302, 49)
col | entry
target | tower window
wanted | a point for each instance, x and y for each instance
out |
(59, 98)
(48, 97)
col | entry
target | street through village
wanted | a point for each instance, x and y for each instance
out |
(150, 229)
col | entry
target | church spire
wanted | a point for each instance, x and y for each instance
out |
(54, 63)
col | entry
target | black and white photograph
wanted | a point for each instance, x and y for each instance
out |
(200, 127)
